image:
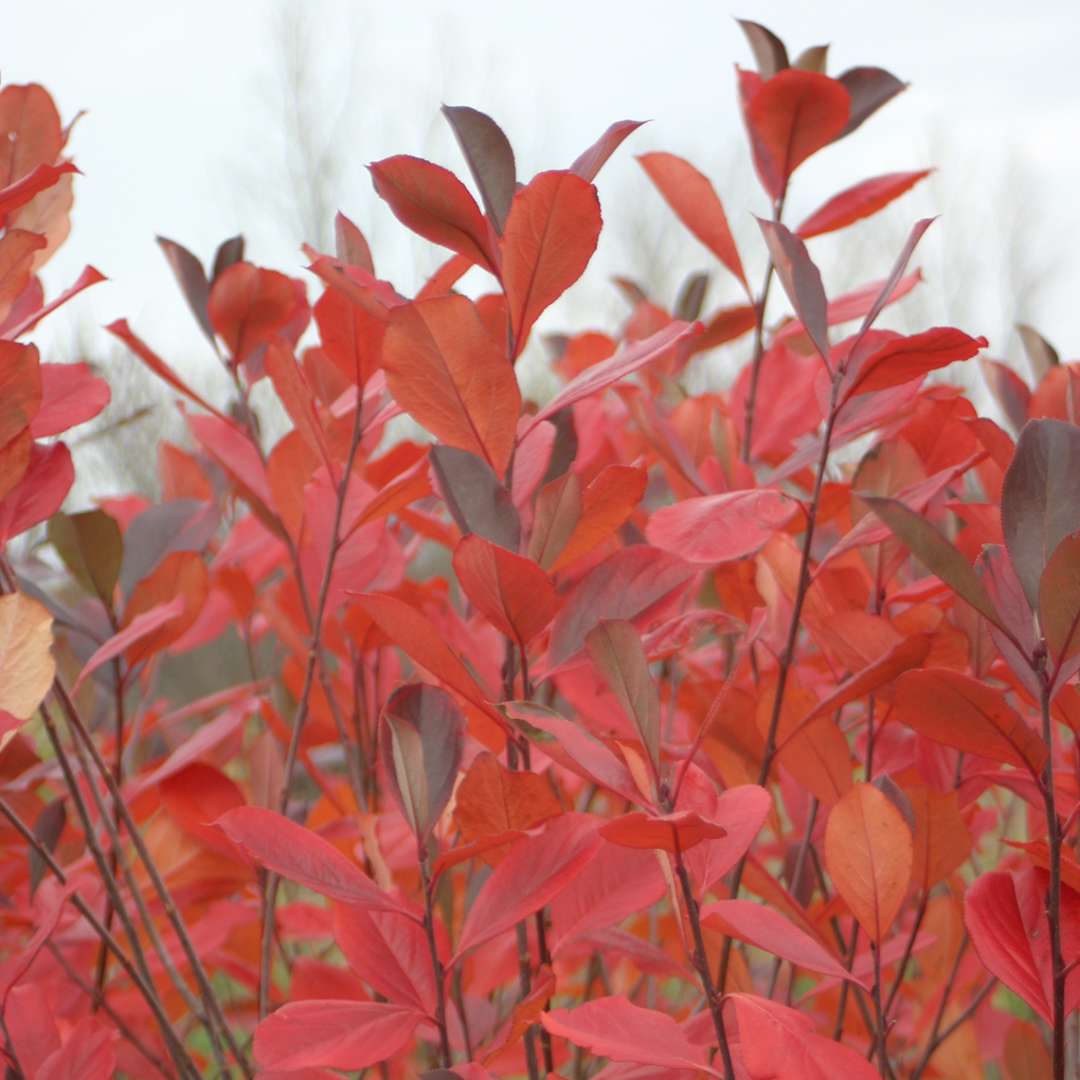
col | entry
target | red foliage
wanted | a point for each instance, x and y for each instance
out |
(631, 726)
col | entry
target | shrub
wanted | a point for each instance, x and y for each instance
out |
(632, 735)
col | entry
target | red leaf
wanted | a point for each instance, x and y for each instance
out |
(14, 968)
(550, 235)
(88, 277)
(591, 161)
(624, 586)
(770, 53)
(855, 304)
(858, 202)
(412, 633)
(351, 336)
(71, 395)
(376, 298)
(778, 1043)
(445, 370)
(536, 870)
(574, 748)
(337, 1034)
(88, 1053)
(1003, 935)
(433, 202)
(724, 326)
(39, 178)
(618, 883)
(714, 529)
(942, 840)
(968, 715)
(234, 451)
(204, 742)
(695, 202)
(158, 366)
(513, 593)
(193, 796)
(250, 307)
(789, 117)
(766, 929)
(625, 361)
(18, 249)
(869, 852)
(294, 393)
(907, 358)
(1059, 603)
(892, 282)
(180, 574)
(1009, 391)
(137, 629)
(389, 952)
(40, 492)
(614, 1027)
(906, 654)
(304, 857)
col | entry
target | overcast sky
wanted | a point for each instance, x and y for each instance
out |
(188, 119)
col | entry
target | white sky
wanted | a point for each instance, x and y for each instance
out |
(183, 136)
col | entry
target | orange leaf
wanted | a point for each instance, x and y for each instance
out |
(816, 753)
(606, 503)
(20, 388)
(183, 575)
(351, 335)
(450, 376)
(671, 832)
(941, 838)
(695, 202)
(868, 851)
(550, 235)
(491, 800)
(27, 667)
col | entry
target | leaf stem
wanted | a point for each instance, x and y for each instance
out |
(790, 645)
(303, 706)
(436, 964)
(701, 962)
(1054, 838)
